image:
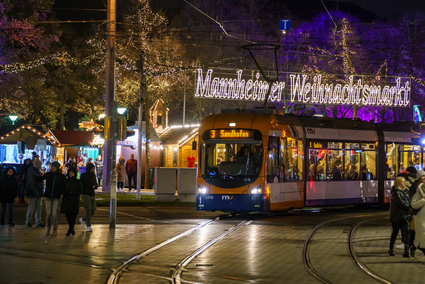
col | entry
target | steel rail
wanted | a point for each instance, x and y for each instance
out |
(356, 260)
(305, 252)
(113, 278)
(176, 276)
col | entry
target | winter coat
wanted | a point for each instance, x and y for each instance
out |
(22, 172)
(400, 205)
(418, 202)
(410, 179)
(88, 180)
(54, 184)
(99, 167)
(33, 187)
(120, 172)
(131, 166)
(9, 186)
(72, 189)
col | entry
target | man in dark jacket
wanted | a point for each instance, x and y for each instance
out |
(22, 178)
(52, 195)
(72, 189)
(8, 193)
(88, 179)
(34, 191)
(131, 170)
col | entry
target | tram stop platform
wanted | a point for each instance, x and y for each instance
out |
(29, 256)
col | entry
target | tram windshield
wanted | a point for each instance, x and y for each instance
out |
(230, 164)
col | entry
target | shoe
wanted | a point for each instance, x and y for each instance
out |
(89, 229)
(69, 234)
(83, 224)
(406, 254)
(391, 252)
(29, 225)
(412, 251)
(48, 232)
(11, 224)
(73, 232)
(54, 233)
(40, 225)
(400, 246)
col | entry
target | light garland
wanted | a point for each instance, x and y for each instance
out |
(51, 140)
(62, 57)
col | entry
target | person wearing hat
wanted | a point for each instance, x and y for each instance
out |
(420, 178)
(418, 204)
(72, 189)
(52, 195)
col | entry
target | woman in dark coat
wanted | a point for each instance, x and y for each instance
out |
(8, 193)
(400, 215)
(72, 189)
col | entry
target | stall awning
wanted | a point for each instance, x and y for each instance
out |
(72, 137)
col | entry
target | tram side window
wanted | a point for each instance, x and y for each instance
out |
(410, 156)
(317, 165)
(294, 161)
(392, 158)
(352, 161)
(335, 161)
(368, 162)
(273, 171)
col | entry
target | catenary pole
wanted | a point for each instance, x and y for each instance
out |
(140, 126)
(109, 145)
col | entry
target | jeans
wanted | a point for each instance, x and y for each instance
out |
(404, 226)
(132, 176)
(120, 185)
(3, 210)
(34, 203)
(99, 179)
(52, 205)
(90, 207)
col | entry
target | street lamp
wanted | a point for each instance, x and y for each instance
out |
(13, 118)
(121, 110)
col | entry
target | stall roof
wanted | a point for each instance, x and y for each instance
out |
(72, 137)
(178, 134)
(11, 134)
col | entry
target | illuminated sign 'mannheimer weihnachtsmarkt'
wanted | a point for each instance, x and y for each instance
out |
(303, 90)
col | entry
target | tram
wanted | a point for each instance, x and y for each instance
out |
(251, 162)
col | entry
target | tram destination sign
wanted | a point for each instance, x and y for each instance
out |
(231, 133)
(360, 90)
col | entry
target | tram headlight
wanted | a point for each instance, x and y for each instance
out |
(257, 190)
(202, 190)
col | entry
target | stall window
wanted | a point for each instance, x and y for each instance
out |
(294, 160)
(368, 162)
(392, 158)
(335, 161)
(352, 161)
(273, 170)
(410, 156)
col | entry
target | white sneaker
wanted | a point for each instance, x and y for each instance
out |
(88, 229)
(83, 225)
(400, 246)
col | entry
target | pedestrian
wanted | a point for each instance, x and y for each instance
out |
(71, 164)
(52, 195)
(400, 215)
(72, 189)
(120, 174)
(413, 189)
(8, 193)
(131, 170)
(22, 178)
(90, 161)
(34, 191)
(99, 169)
(88, 180)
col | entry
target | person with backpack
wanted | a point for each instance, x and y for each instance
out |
(8, 193)
(72, 189)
